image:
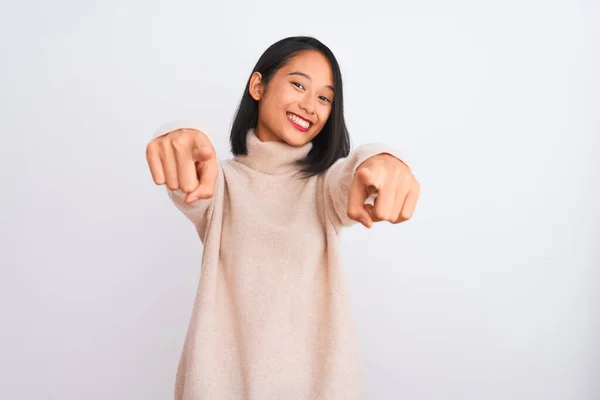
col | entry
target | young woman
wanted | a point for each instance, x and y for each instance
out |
(271, 318)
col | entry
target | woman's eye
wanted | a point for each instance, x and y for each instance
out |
(299, 85)
(324, 99)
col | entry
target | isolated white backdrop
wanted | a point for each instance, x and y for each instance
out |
(490, 292)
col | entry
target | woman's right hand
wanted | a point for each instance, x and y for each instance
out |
(184, 159)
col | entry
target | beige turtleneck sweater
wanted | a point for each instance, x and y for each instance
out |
(271, 318)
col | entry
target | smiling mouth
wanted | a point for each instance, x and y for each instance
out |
(301, 122)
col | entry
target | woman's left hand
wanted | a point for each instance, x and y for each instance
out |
(397, 191)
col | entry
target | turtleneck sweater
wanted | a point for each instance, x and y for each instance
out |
(271, 317)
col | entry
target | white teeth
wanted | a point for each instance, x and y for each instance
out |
(299, 121)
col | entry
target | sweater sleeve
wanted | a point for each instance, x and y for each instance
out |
(339, 177)
(200, 211)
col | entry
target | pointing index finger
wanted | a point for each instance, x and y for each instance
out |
(362, 187)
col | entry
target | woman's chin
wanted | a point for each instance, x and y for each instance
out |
(297, 138)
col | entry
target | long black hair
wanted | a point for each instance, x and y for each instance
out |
(332, 143)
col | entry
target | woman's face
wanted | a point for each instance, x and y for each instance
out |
(297, 101)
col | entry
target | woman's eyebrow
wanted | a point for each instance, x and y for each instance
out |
(308, 77)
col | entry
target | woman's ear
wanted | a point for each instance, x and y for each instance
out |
(256, 86)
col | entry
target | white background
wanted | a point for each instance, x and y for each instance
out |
(490, 292)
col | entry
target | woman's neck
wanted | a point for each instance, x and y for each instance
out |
(272, 157)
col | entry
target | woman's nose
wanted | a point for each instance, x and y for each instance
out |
(308, 104)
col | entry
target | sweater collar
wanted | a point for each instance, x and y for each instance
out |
(272, 158)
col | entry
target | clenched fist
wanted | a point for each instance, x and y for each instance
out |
(184, 159)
